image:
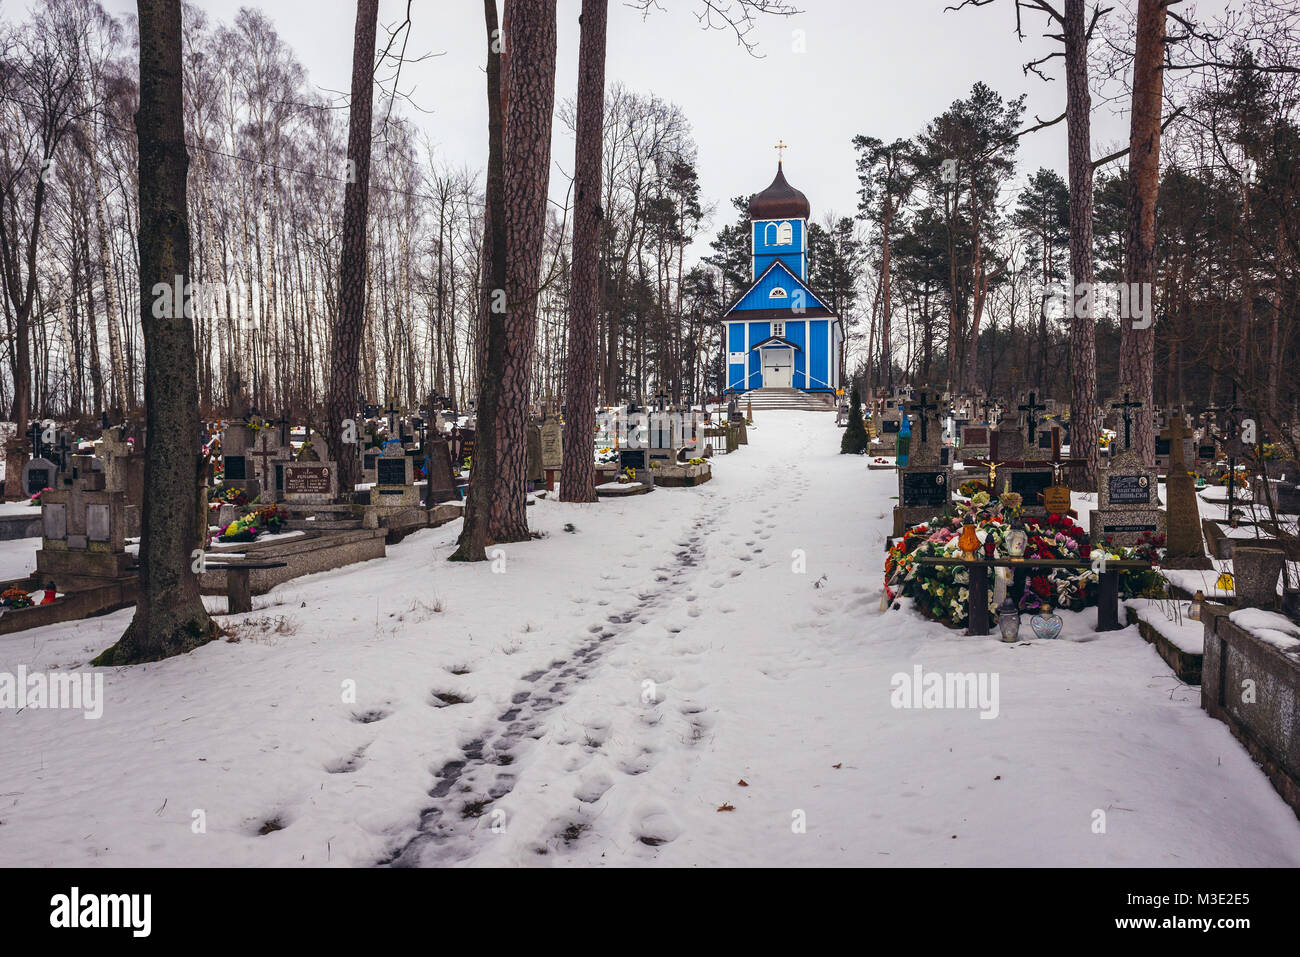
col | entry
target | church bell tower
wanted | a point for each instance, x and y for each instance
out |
(778, 218)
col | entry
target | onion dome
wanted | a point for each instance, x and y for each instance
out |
(779, 201)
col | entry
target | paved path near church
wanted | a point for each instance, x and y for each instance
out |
(596, 697)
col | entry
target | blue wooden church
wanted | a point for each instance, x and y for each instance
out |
(781, 334)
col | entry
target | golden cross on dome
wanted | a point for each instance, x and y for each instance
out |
(780, 148)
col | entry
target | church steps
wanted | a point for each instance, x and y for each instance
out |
(769, 399)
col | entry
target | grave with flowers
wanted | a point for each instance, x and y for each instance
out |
(944, 566)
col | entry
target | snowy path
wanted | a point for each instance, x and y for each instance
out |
(596, 697)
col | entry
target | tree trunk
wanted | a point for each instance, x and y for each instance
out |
(527, 168)
(120, 398)
(345, 358)
(472, 545)
(1085, 416)
(169, 617)
(1137, 345)
(578, 478)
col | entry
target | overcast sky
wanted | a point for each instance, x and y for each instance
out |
(839, 68)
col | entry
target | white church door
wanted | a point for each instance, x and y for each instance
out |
(778, 367)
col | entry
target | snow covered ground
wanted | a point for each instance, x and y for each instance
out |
(595, 697)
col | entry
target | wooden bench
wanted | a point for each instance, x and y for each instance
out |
(239, 597)
(978, 587)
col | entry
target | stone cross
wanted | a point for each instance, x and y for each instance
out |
(1177, 434)
(263, 452)
(1128, 419)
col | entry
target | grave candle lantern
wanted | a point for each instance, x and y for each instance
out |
(1009, 619)
(1017, 539)
(969, 542)
(1194, 609)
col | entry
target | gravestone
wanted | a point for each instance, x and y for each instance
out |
(38, 474)
(1008, 442)
(1164, 446)
(633, 459)
(312, 448)
(534, 463)
(1255, 573)
(310, 483)
(1284, 495)
(974, 442)
(439, 472)
(236, 441)
(663, 437)
(83, 530)
(1128, 503)
(124, 472)
(639, 461)
(1031, 483)
(1029, 414)
(1184, 547)
(464, 443)
(369, 458)
(395, 479)
(552, 444)
(924, 483)
(889, 422)
(263, 455)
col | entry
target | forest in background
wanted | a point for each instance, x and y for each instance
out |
(954, 282)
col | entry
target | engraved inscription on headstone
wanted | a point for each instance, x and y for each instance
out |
(306, 480)
(924, 489)
(1129, 489)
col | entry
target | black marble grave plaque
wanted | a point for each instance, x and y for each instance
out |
(391, 471)
(923, 489)
(1028, 485)
(1130, 489)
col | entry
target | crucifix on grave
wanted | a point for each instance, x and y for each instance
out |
(923, 408)
(38, 446)
(1056, 499)
(392, 412)
(1230, 436)
(1031, 410)
(1126, 405)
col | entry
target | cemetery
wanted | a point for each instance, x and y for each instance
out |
(589, 492)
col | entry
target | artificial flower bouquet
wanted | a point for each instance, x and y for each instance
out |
(269, 518)
(941, 591)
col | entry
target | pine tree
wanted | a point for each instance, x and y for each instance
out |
(855, 434)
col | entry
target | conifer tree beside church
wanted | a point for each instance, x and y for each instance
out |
(855, 439)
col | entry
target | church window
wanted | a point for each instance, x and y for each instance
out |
(769, 234)
(777, 293)
(778, 330)
(784, 234)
